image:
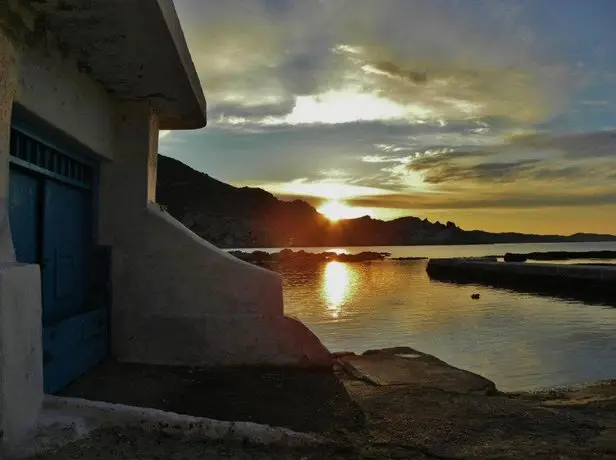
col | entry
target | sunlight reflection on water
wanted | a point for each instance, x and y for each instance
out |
(337, 283)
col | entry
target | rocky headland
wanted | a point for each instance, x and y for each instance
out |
(234, 217)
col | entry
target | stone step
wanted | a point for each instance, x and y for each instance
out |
(405, 366)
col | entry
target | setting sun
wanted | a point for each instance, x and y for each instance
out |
(336, 210)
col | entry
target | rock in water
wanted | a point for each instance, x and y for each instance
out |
(511, 257)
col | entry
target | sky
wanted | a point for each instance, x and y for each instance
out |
(497, 115)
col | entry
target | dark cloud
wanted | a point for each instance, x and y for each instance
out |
(251, 112)
(482, 172)
(428, 162)
(393, 69)
(583, 145)
(469, 165)
(556, 172)
(585, 156)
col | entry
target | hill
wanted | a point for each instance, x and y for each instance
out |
(233, 217)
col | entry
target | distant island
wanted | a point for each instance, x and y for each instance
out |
(232, 217)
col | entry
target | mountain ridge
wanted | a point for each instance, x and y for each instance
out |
(247, 217)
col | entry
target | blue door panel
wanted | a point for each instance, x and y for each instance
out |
(63, 370)
(67, 247)
(24, 205)
(61, 339)
(72, 347)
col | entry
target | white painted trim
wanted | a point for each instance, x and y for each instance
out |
(66, 420)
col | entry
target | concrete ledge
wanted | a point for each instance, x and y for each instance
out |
(66, 420)
(602, 273)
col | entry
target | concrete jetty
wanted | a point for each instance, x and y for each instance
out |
(577, 281)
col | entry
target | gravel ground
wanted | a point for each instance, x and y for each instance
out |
(133, 444)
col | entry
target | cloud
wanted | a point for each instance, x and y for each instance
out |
(334, 174)
(341, 61)
(334, 189)
(383, 159)
(485, 201)
(237, 48)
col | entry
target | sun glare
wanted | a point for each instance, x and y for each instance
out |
(336, 210)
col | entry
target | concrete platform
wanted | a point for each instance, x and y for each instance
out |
(591, 273)
(593, 283)
(406, 366)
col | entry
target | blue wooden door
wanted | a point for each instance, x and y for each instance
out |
(51, 214)
(74, 332)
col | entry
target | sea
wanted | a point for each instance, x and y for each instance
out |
(519, 340)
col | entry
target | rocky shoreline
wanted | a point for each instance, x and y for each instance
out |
(301, 256)
(288, 256)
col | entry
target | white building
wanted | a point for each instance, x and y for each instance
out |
(90, 266)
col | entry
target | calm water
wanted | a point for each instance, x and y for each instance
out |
(518, 340)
